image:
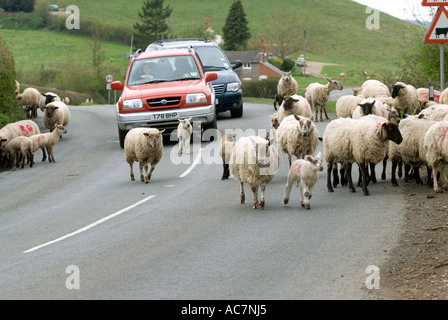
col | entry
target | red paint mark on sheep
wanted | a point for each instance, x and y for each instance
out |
(24, 131)
(41, 137)
(298, 168)
(444, 136)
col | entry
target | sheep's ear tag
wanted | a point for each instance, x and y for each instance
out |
(309, 159)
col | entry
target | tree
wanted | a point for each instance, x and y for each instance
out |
(152, 25)
(235, 31)
(17, 5)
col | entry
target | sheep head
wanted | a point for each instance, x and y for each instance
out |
(153, 137)
(391, 132)
(274, 121)
(367, 106)
(185, 123)
(316, 161)
(288, 102)
(50, 110)
(396, 89)
(262, 152)
(306, 125)
(286, 76)
(334, 85)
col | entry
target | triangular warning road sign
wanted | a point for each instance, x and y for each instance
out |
(435, 3)
(438, 31)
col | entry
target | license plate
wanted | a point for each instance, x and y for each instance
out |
(216, 101)
(164, 116)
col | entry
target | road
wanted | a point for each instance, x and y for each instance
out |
(80, 229)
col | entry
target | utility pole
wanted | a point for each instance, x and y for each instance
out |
(304, 52)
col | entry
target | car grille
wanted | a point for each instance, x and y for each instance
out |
(163, 102)
(219, 88)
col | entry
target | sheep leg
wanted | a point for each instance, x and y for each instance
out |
(383, 174)
(149, 175)
(31, 158)
(24, 157)
(289, 159)
(132, 170)
(226, 172)
(343, 175)
(306, 194)
(44, 154)
(430, 182)
(180, 146)
(50, 154)
(335, 175)
(242, 194)
(288, 187)
(400, 169)
(329, 169)
(325, 110)
(417, 177)
(348, 173)
(261, 203)
(141, 166)
(365, 178)
(372, 174)
(255, 197)
(393, 173)
(407, 169)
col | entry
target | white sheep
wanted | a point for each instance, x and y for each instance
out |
(362, 141)
(254, 161)
(411, 151)
(274, 124)
(294, 104)
(304, 173)
(225, 151)
(297, 136)
(56, 112)
(19, 147)
(287, 86)
(66, 100)
(406, 98)
(374, 89)
(184, 131)
(376, 107)
(346, 104)
(10, 131)
(318, 94)
(443, 99)
(436, 146)
(31, 99)
(46, 141)
(436, 112)
(143, 145)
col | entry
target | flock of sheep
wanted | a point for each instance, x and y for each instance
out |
(20, 140)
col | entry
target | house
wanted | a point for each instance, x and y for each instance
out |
(255, 65)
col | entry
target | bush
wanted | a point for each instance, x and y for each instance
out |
(260, 89)
(9, 108)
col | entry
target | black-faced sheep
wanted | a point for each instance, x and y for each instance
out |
(297, 136)
(304, 173)
(360, 141)
(184, 131)
(32, 99)
(254, 161)
(345, 105)
(287, 86)
(436, 146)
(225, 151)
(294, 104)
(143, 145)
(318, 94)
(406, 98)
(56, 112)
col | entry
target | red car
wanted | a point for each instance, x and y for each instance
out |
(162, 87)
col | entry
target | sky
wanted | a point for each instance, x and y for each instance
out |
(402, 9)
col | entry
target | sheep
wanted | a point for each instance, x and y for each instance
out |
(294, 104)
(225, 151)
(20, 128)
(20, 146)
(143, 145)
(411, 151)
(66, 100)
(49, 97)
(345, 105)
(297, 136)
(56, 112)
(32, 99)
(436, 146)
(287, 86)
(443, 99)
(304, 173)
(374, 106)
(184, 131)
(435, 112)
(362, 141)
(17, 87)
(406, 98)
(274, 124)
(46, 141)
(374, 89)
(254, 161)
(318, 95)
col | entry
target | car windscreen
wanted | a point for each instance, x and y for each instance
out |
(212, 58)
(163, 69)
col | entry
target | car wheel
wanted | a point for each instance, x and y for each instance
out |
(121, 136)
(238, 112)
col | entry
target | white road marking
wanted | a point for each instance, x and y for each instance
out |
(113, 215)
(193, 165)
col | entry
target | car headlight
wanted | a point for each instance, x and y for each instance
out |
(196, 98)
(132, 104)
(234, 86)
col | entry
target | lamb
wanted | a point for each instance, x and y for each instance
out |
(362, 141)
(318, 95)
(406, 98)
(143, 145)
(374, 106)
(294, 104)
(20, 146)
(297, 136)
(184, 131)
(274, 124)
(287, 86)
(46, 141)
(254, 161)
(304, 173)
(227, 144)
(20, 128)
(411, 151)
(436, 146)
(56, 112)
(345, 105)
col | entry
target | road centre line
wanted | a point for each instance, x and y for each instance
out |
(113, 215)
(196, 161)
